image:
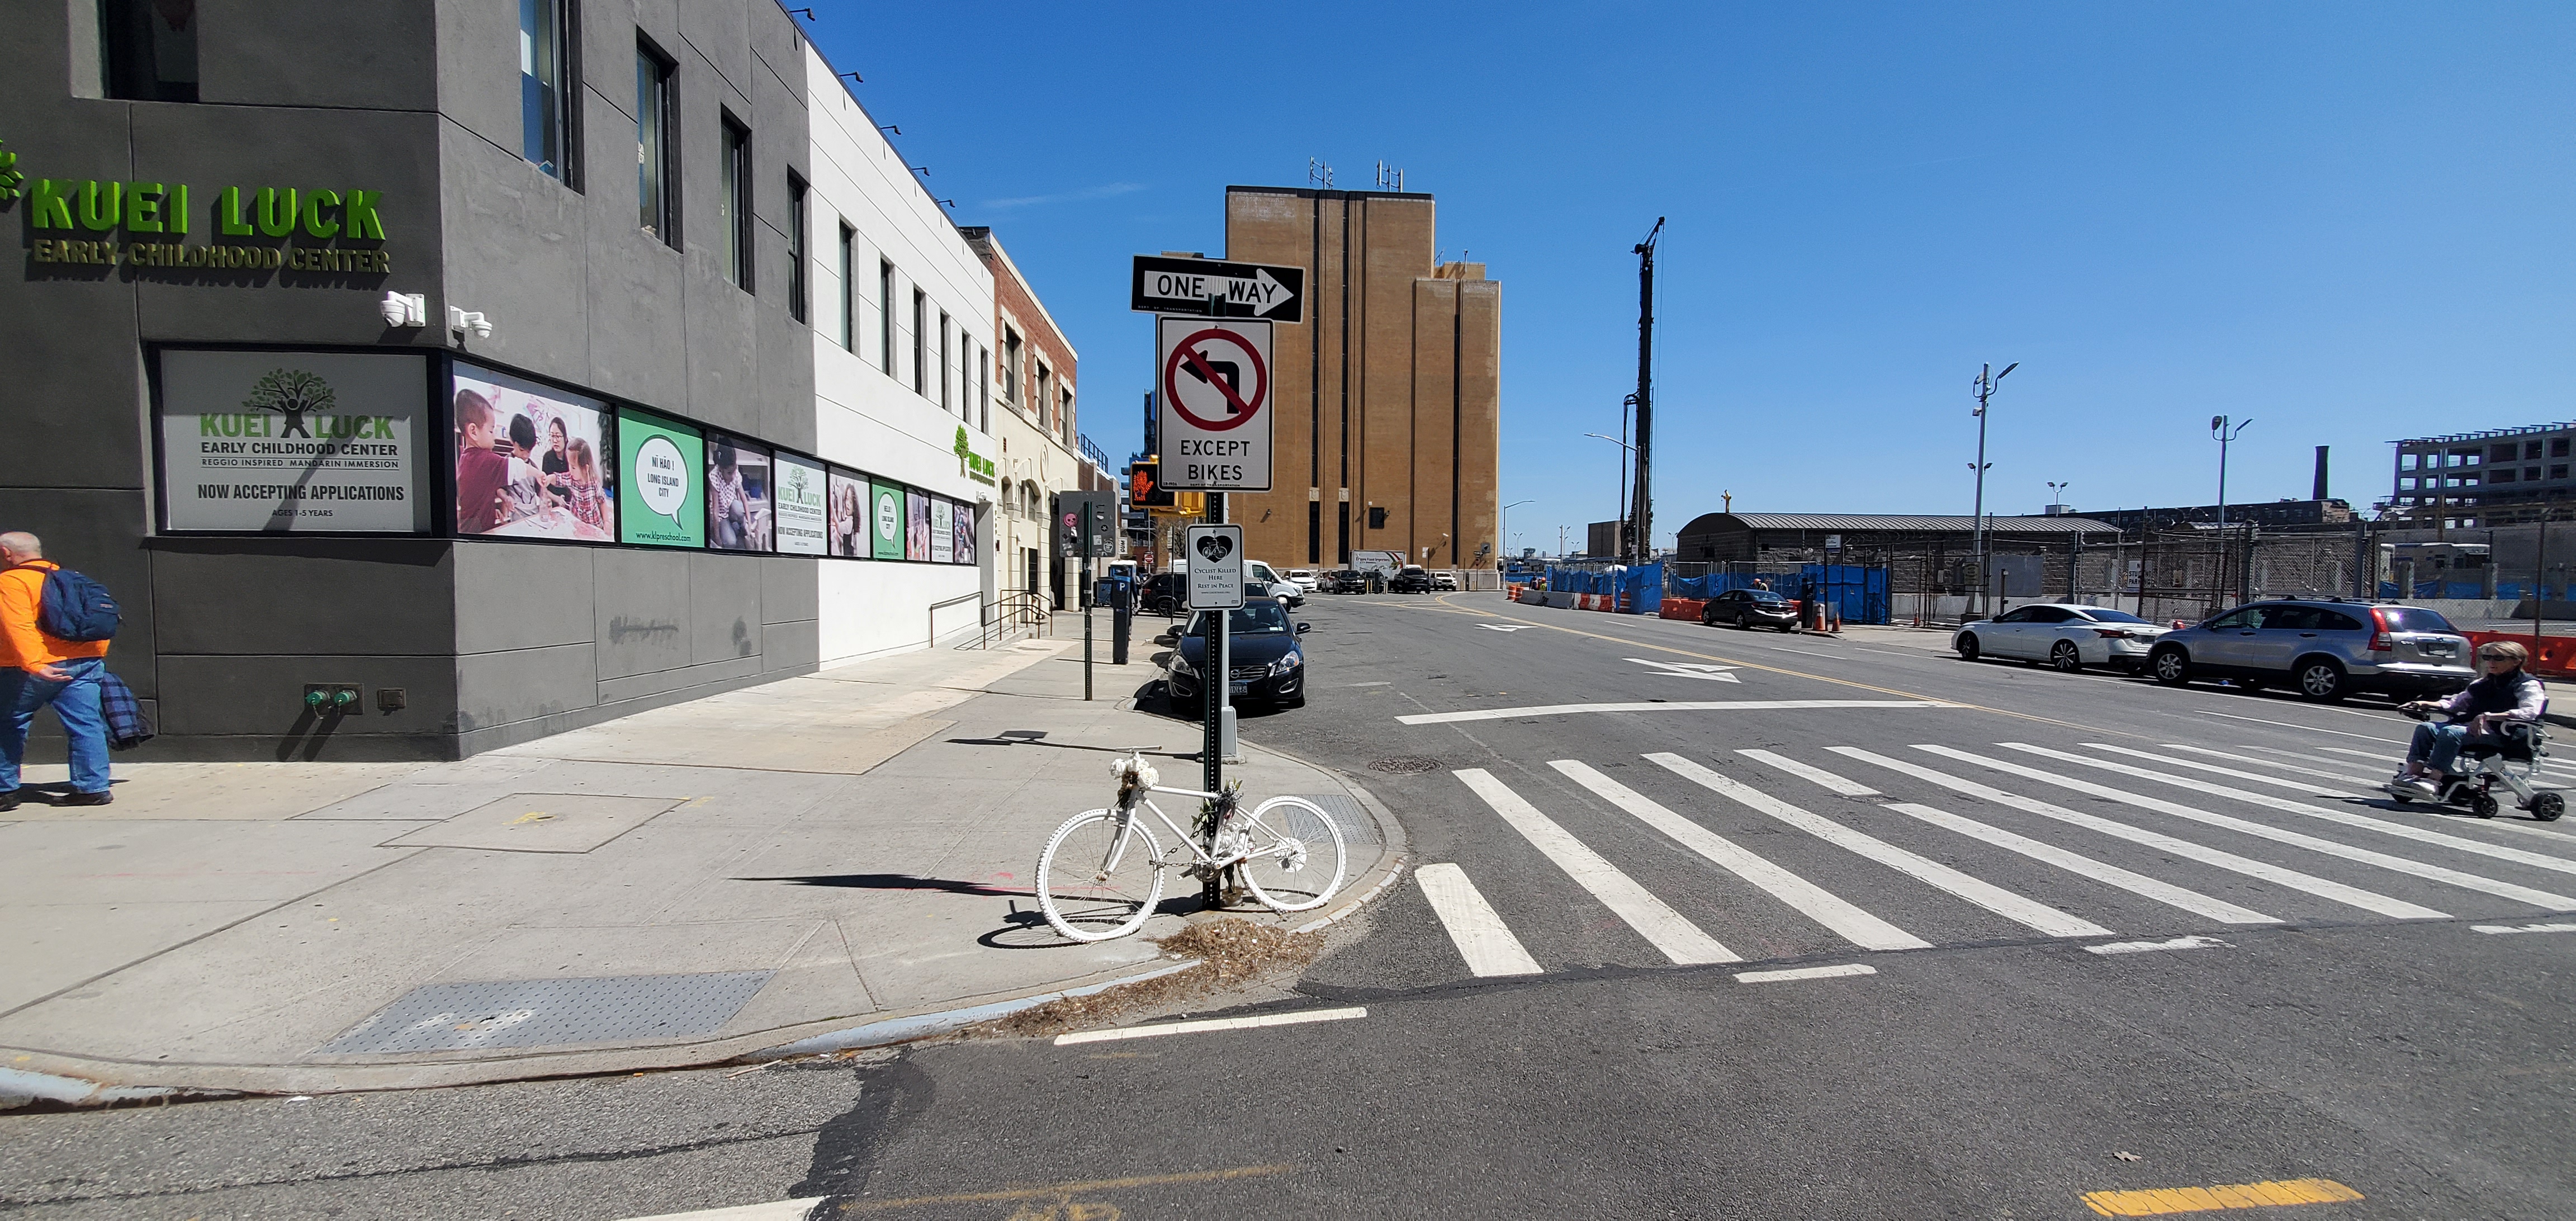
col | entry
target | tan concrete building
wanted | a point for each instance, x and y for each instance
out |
(1389, 395)
(1033, 366)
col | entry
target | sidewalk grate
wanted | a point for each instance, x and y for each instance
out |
(1357, 827)
(550, 1012)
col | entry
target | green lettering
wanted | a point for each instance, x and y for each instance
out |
(231, 424)
(49, 206)
(276, 211)
(314, 223)
(230, 214)
(102, 204)
(384, 428)
(209, 426)
(178, 218)
(143, 207)
(361, 215)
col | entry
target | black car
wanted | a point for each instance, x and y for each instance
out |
(1345, 581)
(1750, 608)
(1164, 593)
(1410, 579)
(1269, 663)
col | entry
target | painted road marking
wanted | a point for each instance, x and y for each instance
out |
(2293, 725)
(1062, 1190)
(2369, 901)
(1376, 684)
(1690, 669)
(2296, 786)
(2146, 947)
(1502, 714)
(1815, 902)
(1482, 939)
(1835, 972)
(1830, 782)
(2524, 928)
(1160, 1029)
(2084, 866)
(776, 1210)
(2523, 894)
(2346, 777)
(2162, 1201)
(1987, 895)
(2400, 830)
(1497, 627)
(1679, 939)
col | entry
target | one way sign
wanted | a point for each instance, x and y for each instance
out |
(1241, 290)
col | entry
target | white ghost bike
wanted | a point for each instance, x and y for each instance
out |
(1102, 872)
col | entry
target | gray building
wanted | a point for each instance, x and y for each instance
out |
(275, 250)
(2498, 477)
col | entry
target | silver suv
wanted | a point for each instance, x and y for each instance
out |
(2325, 649)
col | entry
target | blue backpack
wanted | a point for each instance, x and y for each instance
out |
(76, 608)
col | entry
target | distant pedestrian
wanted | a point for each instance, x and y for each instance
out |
(1759, 583)
(52, 655)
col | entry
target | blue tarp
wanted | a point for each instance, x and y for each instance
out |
(1859, 593)
(2458, 589)
(1640, 589)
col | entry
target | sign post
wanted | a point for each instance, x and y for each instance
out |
(1215, 553)
(1087, 507)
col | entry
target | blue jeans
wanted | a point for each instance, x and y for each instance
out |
(75, 700)
(2437, 745)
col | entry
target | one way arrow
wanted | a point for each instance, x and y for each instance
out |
(1689, 669)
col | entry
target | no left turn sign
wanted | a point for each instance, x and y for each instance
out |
(1215, 392)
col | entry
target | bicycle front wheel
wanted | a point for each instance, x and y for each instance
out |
(1295, 858)
(1100, 876)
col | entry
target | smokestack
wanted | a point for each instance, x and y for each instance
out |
(2320, 492)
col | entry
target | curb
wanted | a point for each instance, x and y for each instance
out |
(923, 1025)
(21, 1088)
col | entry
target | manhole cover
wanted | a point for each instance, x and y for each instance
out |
(1405, 767)
(550, 1012)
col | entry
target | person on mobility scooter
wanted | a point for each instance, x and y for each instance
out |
(2495, 722)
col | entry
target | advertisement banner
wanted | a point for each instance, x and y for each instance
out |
(964, 550)
(799, 495)
(885, 520)
(738, 492)
(916, 516)
(850, 515)
(661, 502)
(285, 442)
(531, 461)
(943, 530)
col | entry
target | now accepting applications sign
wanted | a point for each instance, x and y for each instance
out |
(293, 442)
(1215, 397)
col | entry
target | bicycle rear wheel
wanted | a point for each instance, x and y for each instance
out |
(1296, 857)
(1100, 876)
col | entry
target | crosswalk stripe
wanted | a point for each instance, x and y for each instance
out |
(2308, 787)
(1679, 939)
(1987, 895)
(1815, 902)
(1481, 937)
(2323, 888)
(2547, 768)
(2346, 777)
(2085, 866)
(2436, 873)
(1826, 780)
(2400, 830)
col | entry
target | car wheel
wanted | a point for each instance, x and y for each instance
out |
(2172, 667)
(2064, 658)
(1707, 617)
(1967, 648)
(2323, 681)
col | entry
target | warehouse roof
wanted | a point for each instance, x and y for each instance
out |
(1711, 523)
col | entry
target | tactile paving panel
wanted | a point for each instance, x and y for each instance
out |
(1357, 827)
(551, 1012)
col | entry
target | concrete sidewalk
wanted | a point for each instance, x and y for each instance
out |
(833, 860)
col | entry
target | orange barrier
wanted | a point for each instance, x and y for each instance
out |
(2555, 658)
(1682, 608)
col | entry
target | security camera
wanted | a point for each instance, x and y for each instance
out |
(465, 321)
(404, 309)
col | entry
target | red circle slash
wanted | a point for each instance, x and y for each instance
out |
(1245, 406)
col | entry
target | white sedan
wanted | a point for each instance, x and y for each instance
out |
(2066, 635)
(1302, 578)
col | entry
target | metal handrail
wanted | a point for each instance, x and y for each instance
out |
(936, 607)
(1014, 608)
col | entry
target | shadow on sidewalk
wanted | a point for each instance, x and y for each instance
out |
(897, 881)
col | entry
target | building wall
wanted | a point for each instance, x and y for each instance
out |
(1388, 396)
(1036, 438)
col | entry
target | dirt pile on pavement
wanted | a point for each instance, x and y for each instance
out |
(1232, 952)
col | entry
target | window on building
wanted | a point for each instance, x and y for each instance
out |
(2503, 453)
(2531, 450)
(2531, 474)
(1064, 418)
(920, 315)
(147, 52)
(1042, 395)
(885, 316)
(733, 206)
(943, 361)
(796, 247)
(2503, 475)
(2558, 448)
(984, 389)
(2558, 470)
(546, 110)
(849, 291)
(1011, 367)
(657, 173)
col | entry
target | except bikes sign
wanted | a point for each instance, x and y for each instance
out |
(1215, 378)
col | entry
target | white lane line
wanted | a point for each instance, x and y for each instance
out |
(2519, 856)
(1773, 977)
(2293, 725)
(1987, 895)
(1383, 684)
(1206, 1024)
(1894, 653)
(2323, 888)
(2085, 866)
(775, 1210)
(1679, 939)
(2345, 777)
(1482, 939)
(2399, 864)
(2146, 947)
(1501, 714)
(2523, 928)
(1826, 780)
(1815, 902)
(1809, 652)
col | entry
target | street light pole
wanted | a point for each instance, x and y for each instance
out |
(1504, 526)
(1985, 388)
(2223, 433)
(1626, 450)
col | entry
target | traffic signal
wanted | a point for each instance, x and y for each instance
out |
(1145, 486)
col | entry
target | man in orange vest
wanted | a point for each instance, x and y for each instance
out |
(39, 670)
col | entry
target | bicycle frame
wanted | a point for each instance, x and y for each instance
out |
(1126, 835)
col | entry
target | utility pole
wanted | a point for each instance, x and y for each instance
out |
(1985, 389)
(2220, 430)
(1643, 512)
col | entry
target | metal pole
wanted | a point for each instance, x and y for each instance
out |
(2539, 573)
(1985, 386)
(1086, 600)
(1643, 507)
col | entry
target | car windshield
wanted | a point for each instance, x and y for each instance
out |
(2414, 619)
(1262, 618)
(2099, 615)
(1763, 595)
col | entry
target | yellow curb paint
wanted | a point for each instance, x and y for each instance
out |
(2167, 1200)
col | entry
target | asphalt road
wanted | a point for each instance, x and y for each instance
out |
(2306, 994)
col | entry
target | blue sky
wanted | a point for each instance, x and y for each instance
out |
(2351, 222)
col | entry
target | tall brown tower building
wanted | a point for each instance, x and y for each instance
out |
(1389, 397)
